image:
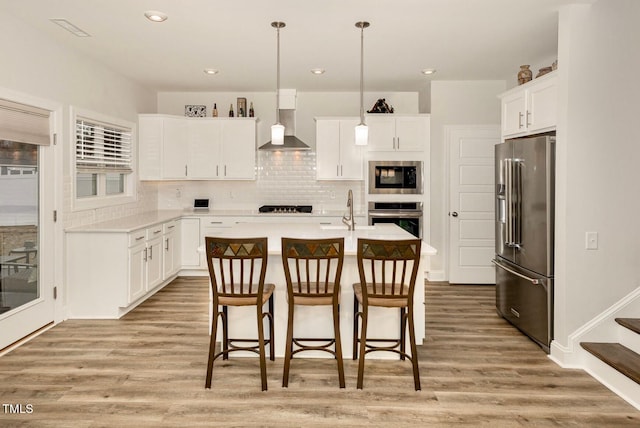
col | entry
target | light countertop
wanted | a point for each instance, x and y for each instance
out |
(132, 223)
(275, 231)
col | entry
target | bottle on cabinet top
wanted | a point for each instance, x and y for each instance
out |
(231, 110)
(251, 113)
(214, 112)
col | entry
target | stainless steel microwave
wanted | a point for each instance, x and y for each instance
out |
(395, 177)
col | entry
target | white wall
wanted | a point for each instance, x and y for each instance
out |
(454, 103)
(38, 67)
(598, 154)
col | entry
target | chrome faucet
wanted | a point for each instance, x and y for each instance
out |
(349, 221)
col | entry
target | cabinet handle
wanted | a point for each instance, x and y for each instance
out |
(520, 119)
(337, 170)
(394, 143)
(145, 255)
(139, 238)
(341, 173)
(528, 116)
(215, 222)
(155, 232)
(171, 227)
(216, 170)
(150, 253)
(225, 170)
(166, 247)
(186, 170)
(398, 142)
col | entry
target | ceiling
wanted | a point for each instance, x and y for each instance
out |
(461, 39)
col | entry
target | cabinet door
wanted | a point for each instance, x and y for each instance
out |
(169, 266)
(381, 133)
(150, 131)
(174, 154)
(542, 105)
(411, 133)
(327, 149)
(238, 149)
(513, 114)
(189, 242)
(351, 156)
(205, 141)
(154, 263)
(137, 272)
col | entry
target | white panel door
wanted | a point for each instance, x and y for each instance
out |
(471, 207)
(205, 140)
(174, 148)
(238, 149)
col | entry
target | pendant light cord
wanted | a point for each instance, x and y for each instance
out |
(278, 75)
(362, 75)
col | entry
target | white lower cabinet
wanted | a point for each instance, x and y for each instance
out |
(109, 273)
(171, 249)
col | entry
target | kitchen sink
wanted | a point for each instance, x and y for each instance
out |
(344, 227)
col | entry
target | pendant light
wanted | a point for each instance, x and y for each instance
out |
(362, 131)
(277, 130)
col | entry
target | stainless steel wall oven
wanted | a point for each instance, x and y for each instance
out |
(407, 215)
(395, 177)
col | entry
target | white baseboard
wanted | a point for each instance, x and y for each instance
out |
(435, 276)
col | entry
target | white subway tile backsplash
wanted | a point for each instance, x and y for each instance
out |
(281, 178)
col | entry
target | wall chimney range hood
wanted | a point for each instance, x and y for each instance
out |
(288, 119)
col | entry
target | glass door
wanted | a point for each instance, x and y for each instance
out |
(26, 302)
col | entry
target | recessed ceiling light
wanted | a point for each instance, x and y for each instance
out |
(428, 71)
(317, 70)
(70, 27)
(211, 71)
(155, 16)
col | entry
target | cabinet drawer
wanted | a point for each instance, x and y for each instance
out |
(154, 231)
(137, 237)
(169, 226)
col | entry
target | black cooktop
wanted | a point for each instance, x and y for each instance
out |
(286, 209)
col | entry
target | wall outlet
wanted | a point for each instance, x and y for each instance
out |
(591, 240)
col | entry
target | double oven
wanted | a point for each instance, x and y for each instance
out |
(395, 193)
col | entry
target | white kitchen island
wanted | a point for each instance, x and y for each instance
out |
(316, 321)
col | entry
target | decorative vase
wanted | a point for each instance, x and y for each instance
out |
(544, 71)
(524, 75)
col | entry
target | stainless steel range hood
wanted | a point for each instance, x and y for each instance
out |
(288, 120)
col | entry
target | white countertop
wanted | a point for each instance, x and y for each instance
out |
(132, 223)
(275, 231)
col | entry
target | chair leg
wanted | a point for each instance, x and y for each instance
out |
(403, 326)
(261, 348)
(336, 332)
(414, 350)
(272, 343)
(288, 346)
(212, 346)
(225, 333)
(355, 328)
(363, 342)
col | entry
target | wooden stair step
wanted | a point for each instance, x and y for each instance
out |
(632, 324)
(617, 356)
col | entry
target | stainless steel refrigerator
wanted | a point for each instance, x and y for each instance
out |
(525, 234)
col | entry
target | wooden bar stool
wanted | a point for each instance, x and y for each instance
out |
(312, 270)
(237, 269)
(388, 271)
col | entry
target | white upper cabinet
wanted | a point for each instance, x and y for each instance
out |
(338, 157)
(388, 132)
(530, 108)
(179, 148)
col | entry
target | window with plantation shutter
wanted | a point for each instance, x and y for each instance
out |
(105, 160)
(102, 147)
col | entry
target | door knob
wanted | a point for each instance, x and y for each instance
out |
(454, 214)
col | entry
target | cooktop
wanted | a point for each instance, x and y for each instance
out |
(286, 209)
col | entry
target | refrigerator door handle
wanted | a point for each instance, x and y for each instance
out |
(517, 238)
(501, 266)
(509, 200)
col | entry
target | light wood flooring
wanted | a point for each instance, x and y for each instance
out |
(148, 370)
